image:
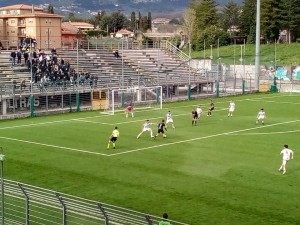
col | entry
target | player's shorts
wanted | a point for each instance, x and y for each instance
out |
(195, 117)
(231, 109)
(160, 131)
(129, 109)
(284, 161)
(260, 117)
(113, 139)
(169, 121)
(147, 129)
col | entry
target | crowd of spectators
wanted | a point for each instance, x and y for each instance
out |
(50, 69)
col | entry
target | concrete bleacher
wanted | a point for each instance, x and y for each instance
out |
(109, 70)
(12, 74)
(161, 65)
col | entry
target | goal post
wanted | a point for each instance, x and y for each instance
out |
(141, 98)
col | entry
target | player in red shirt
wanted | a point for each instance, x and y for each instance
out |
(129, 109)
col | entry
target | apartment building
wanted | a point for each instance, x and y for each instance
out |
(20, 21)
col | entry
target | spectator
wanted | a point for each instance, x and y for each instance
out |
(19, 57)
(1, 46)
(165, 220)
(53, 51)
(13, 56)
(23, 84)
(34, 42)
(116, 54)
(26, 56)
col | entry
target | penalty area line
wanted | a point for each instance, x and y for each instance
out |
(268, 133)
(54, 146)
(199, 138)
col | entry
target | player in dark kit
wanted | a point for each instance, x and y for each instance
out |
(211, 108)
(161, 128)
(194, 117)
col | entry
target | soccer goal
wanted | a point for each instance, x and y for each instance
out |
(141, 98)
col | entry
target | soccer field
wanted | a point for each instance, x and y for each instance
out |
(222, 171)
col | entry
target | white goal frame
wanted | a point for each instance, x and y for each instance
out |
(114, 107)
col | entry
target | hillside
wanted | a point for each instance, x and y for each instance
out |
(82, 6)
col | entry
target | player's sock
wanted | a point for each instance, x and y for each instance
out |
(114, 145)
(132, 115)
(108, 146)
(284, 172)
(173, 126)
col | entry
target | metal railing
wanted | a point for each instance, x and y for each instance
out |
(27, 204)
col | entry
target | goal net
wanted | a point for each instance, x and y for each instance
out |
(140, 98)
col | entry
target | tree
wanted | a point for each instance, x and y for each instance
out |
(290, 18)
(189, 19)
(206, 13)
(149, 20)
(230, 17)
(270, 19)
(247, 20)
(133, 21)
(144, 24)
(50, 9)
(71, 16)
(115, 21)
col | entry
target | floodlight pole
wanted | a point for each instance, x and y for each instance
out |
(257, 46)
(2, 157)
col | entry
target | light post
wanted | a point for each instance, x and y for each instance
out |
(2, 157)
(211, 56)
(257, 46)
(241, 59)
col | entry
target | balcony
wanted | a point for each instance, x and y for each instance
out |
(21, 24)
(20, 34)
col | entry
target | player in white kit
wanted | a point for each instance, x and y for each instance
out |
(146, 127)
(199, 111)
(261, 116)
(287, 154)
(231, 108)
(169, 119)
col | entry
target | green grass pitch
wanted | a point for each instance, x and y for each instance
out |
(222, 171)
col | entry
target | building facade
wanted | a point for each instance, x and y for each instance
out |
(18, 22)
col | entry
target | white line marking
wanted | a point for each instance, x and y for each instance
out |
(53, 146)
(279, 132)
(200, 138)
(91, 117)
(134, 121)
(141, 149)
(295, 103)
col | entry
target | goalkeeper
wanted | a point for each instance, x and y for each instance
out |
(113, 138)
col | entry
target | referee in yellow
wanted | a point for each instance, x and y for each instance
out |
(113, 138)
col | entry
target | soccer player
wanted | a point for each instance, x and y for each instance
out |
(146, 127)
(113, 138)
(261, 116)
(129, 109)
(231, 108)
(199, 111)
(287, 154)
(160, 129)
(169, 119)
(194, 117)
(211, 108)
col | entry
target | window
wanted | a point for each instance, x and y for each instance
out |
(12, 21)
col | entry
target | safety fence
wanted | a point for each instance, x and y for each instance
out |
(27, 204)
